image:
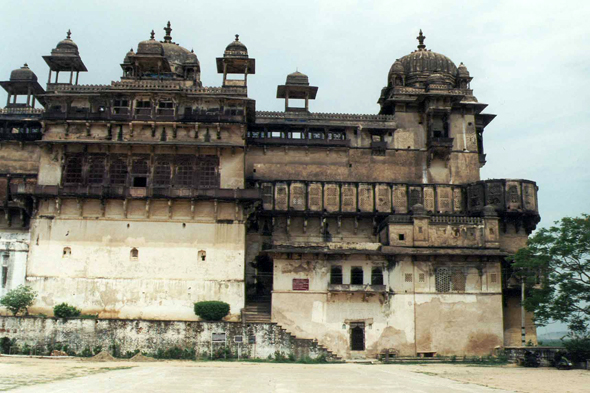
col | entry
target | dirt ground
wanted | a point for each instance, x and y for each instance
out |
(23, 372)
(511, 377)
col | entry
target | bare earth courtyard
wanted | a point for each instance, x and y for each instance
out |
(76, 375)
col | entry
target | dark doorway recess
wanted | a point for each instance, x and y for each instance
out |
(357, 336)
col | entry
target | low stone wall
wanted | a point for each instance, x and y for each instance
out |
(545, 354)
(259, 340)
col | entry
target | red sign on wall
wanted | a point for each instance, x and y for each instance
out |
(301, 284)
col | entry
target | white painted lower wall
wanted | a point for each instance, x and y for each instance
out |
(14, 248)
(89, 263)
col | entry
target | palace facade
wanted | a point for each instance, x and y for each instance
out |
(368, 233)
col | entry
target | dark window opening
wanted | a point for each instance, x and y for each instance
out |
(118, 171)
(73, 170)
(377, 276)
(336, 275)
(402, 237)
(207, 173)
(356, 276)
(140, 181)
(96, 170)
(185, 172)
(4, 276)
(134, 254)
(162, 173)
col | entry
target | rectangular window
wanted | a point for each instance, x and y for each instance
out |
(121, 106)
(185, 171)
(408, 277)
(73, 170)
(494, 278)
(443, 279)
(96, 170)
(140, 171)
(162, 172)
(118, 170)
(207, 172)
(4, 276)
(421, 277)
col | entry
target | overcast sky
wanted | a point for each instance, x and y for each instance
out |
(530, 61)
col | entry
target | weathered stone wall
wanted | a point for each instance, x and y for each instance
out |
(260, 340)
(14, 247)
(408, 314)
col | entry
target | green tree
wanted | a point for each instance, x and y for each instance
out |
(559, 259)
(19, 299)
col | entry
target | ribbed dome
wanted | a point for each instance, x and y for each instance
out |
(236, 49)
(23, 74)
(419, 65)
(150, 47)
(66, 45)
(297, 78)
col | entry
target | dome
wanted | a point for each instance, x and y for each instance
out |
(23, 74)
(175, 53)
(150, 47)
(66, 45)
(462, 71)
(297, 78)
(396, 68)
(127, 59)
(236, 49)
(419, 65)
(191, 58)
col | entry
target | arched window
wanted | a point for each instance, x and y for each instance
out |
(336, 275)
(356, 275)
(202, 255)
(377, 276)
(67, 252)
(134, 254)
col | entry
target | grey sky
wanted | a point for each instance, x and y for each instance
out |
(530, 61)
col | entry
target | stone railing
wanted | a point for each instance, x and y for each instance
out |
(148, 85)
(21, 111)
(323, 116)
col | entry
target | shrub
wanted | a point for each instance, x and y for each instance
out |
(211, 310)
(19, 299)
(578, 349)
(64, 310)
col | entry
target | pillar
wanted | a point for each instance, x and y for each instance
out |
(8, 100)
(77, 76)
(49, 79)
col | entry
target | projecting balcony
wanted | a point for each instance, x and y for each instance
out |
(356, 288)
(439, 142)
(116, 191)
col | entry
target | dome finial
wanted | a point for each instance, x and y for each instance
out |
(69, 34)
(237, 37)
(421, 39)
(168, 30)
(152, 35)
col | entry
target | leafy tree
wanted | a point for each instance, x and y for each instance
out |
(559, 259)
(19, 299)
